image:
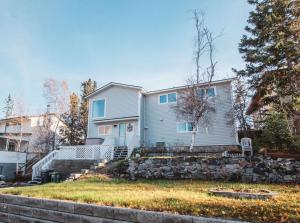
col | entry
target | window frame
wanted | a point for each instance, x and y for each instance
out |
(206, 89)
(167, 98)
(186, 126)
(105, 126)
(91, 108)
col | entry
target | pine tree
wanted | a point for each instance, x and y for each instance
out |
(271, 51)
(72, 134)
(8, 106)
(87, 87)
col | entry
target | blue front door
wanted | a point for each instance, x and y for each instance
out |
(122, 134)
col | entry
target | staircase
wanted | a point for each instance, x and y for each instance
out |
(120, 152)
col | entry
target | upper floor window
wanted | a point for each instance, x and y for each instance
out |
(209, 92)
(168, 98)
(98, 110)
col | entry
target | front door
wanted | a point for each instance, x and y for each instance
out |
(122, 134)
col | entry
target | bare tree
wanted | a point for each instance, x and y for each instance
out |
(8, 106)
(194, 103)
(56, 95)
(239, 107)
(44, 134)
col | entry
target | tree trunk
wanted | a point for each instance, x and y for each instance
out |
(193, 141)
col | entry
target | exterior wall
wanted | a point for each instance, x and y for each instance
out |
(8, 161)
(12, 157)
(8, 170)
(160, 122)
(120, 102)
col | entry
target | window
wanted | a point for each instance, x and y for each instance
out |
(172, 97)
(168, 98)
(163, 99)
(105, 130)
(98, 108)
(210, 92)
(1, 170)
(185, 127)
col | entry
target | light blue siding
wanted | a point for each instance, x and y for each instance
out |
(156, 122)
(160, 122)
(120, 102)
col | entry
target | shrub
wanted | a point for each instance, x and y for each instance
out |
(276, 134)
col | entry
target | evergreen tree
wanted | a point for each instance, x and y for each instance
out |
(72, 134)
(271, 51)
(87, 87)
(8, 106)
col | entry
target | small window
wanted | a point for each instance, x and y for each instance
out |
(1, 170)
(181, 127)
(105, 130)
(210, 92)
(200, 93)
(163, 99)
(98, 109)
(168, 98)
(172, 97)
(185, 127)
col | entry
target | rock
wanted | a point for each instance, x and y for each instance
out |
(261, 169)
(288, 178)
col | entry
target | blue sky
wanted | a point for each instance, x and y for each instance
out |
(148, 43)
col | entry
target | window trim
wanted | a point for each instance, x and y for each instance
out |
(186, 122)
(91, 108)
(111, 126)
(166, 94)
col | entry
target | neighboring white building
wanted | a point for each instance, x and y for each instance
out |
(18, 140)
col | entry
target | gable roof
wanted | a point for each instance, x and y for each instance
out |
(185, 86)
(155, 91)
(114, 84)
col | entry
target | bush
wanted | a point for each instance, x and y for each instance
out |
(276, 134)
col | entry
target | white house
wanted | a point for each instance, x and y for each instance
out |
(131, 115)
(18, 141)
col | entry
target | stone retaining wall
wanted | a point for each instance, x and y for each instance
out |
(260, 169)
(17, 209)
(184, 150)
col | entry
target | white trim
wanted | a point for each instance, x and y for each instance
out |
(92, 115)
(135, 118)
(167, 102)
(183, 87)
(113, 84)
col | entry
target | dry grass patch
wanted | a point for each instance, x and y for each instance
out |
(184, 197)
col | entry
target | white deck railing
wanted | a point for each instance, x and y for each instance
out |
(84, 152)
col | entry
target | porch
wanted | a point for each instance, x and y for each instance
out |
(13, 143)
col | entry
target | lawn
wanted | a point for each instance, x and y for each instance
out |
(183, 197)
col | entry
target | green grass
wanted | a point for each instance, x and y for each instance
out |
(183, 197)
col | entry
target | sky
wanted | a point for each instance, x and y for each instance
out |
(146, 43)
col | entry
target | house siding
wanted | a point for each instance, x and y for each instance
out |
(120, 102)
(160, 122)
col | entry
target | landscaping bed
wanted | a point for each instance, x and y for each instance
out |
(243, 193)
(182, 196)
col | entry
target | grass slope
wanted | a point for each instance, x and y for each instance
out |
(183, 197)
